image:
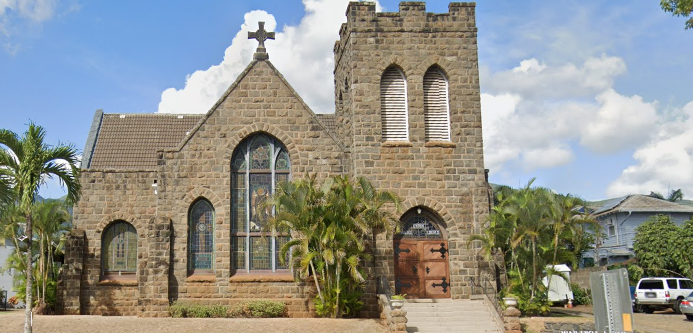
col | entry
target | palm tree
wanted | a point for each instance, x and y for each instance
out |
(674, 195)
(531, 209)
(329, 225)
(28, 162)
(49, 218)
(566, 219)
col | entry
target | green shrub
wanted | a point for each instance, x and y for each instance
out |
(188, 310)
(258, 309)
(251, 309)
(582, 296)
(539, 306)
(266, 309)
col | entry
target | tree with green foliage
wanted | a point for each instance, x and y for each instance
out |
(28, 161)
(674, 195)
(567, 222)
(679, 8)
(533, 227)
(51, 223)
(329, 225)
(661, 247)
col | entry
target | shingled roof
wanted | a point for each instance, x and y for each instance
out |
(642, 203)
(130, 141)
(329, 120)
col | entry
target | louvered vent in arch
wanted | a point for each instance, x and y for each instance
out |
(393, 105)
(436, 108)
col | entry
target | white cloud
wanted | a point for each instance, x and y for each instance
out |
(534, 112)
(621, 122)
(19, 17)
(33, 10)
(533, 79)
(547, 157)
(302, 53)
(664, 163)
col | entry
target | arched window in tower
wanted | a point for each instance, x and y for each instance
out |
(119, 251)
(436, 107)
(258, 165)
(201, 238)
(393, 105)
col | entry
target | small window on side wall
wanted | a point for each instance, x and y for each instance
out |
(119, 252)
(201, 238)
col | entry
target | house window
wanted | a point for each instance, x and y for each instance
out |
(119, 251)
(201, 238)
(436, 108)
(611, 228)
(393, 105)
(258, 165)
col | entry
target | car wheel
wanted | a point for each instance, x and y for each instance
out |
(689, 317)
(647, 309)
(638, 308)
(677, 306)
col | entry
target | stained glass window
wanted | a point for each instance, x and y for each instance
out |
(201, 241)
(119, 249)
(419, 224)
(258, 165)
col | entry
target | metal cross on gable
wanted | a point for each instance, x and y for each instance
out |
(261, 35)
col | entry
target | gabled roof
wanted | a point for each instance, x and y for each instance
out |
(641, 203)
(328, 127)
(130, 141)
(329, 120)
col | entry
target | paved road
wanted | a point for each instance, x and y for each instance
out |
(662, 322)
(13, 322)
(658, 322)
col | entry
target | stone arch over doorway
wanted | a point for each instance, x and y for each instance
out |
(421, 255)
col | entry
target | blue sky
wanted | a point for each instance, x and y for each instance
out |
(593, 98)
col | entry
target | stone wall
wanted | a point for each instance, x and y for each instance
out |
(446, 177)
(581, 276)
(110, 196)
(70, 282)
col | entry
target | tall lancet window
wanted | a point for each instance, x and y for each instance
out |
(436, 107)
(393, 105)
(258, 165)
(201, 238)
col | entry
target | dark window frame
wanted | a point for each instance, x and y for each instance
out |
(127, 233)
(246, 228)
(208, 229)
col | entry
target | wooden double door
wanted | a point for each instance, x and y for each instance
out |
(421, 268)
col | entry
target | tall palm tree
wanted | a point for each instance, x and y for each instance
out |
(28, 162)
(531, 208)
(50, 219)
(329, 225)
(566, 219)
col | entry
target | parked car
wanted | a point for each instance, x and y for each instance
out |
(687, 306)
(660, 293)
(636, 308)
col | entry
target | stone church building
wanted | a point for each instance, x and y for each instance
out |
(167, 210)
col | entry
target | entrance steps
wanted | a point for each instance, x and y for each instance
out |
(447, 315)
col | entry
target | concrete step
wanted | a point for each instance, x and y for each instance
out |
(448, 315)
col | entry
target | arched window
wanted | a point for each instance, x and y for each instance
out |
(119, 251)
(258, 165)
(393, 105)
(201, 238)
(436, 107)
(420, 223)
